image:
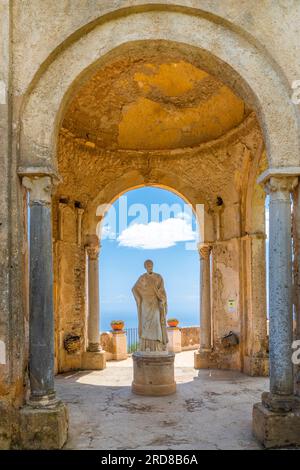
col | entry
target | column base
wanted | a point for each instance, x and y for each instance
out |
(93, 347)
(41, 401)
(203, 360)
(276, 429)
(256, 366)
(43, 427)
(280, 403)
(153, 375)
(93, 360)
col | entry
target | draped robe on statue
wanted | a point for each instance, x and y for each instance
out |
(151, 300)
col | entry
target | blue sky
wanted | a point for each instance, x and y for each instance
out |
(164, 238)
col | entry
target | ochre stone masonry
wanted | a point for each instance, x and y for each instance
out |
(69, 285)
(105, 97)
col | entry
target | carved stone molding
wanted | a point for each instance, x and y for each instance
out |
(39, 188)
(204, 250)
(281, 186)
(92, 246)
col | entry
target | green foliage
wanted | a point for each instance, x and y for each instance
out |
(132, 348)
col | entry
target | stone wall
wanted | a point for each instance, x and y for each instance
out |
(226, 302)
(69, 287)
(190, 337)
(106, 341)
(275, 27)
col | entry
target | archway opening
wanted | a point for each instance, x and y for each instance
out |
(152, 117)
(150, 223)
(161, 118)
(147, 122)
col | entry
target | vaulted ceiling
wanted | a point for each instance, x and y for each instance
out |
(148, 99)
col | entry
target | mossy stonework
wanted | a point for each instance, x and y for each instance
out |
(193, 96)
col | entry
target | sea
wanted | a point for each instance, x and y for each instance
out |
(130, 319)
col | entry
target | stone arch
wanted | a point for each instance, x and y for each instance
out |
(224, 50)
(134, 180)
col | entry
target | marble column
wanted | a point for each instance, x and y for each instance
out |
(296, 266)
(202, 358)
(280, 285)
(276, 421)
(41, 320)
(296, 246)
(93, 249)
(205, 302)
(43, 415)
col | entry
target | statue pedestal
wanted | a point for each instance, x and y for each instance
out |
(174, 337)
(153, 373)
(119, 342)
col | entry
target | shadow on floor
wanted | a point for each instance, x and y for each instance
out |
(210, 410)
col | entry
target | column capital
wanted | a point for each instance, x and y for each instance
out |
(282, 185)
(278, 172)
(279, 180)
(92, 246)
(80, 211)
(39, 187)
(204, 250)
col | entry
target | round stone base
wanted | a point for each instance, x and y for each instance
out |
(153, 374)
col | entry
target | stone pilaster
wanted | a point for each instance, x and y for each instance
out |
(256, 358)
(80, 212)
(218, 210)
(276, 421)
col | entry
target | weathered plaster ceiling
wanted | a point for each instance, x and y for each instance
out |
(152, 116)
(200, 173)
(148, 99)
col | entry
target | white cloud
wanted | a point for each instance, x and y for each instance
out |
(157, 235)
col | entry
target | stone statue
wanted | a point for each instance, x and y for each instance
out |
(151, 300)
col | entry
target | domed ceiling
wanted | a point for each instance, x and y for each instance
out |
(142, 102)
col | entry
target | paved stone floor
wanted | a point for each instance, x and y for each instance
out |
(211, 409)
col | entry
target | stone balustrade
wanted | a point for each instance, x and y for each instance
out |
(180, 339)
